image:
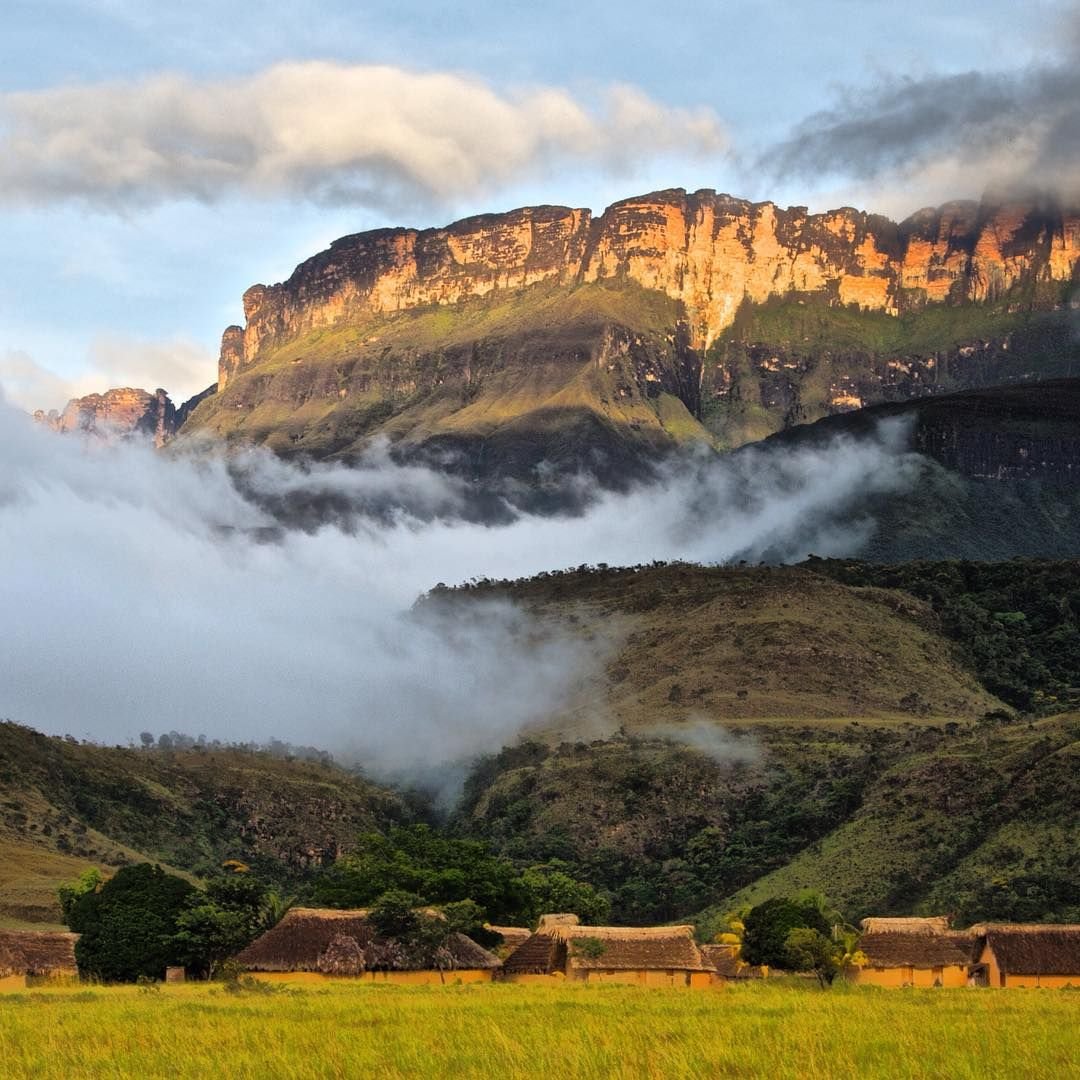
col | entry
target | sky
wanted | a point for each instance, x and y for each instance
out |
(157, 159)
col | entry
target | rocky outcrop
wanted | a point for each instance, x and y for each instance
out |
(117, 414)
(706, 251)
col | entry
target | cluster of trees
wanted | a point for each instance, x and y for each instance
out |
(798, 934)
(437, 870)
(143, 920)
(1017, 621)
(276, 748)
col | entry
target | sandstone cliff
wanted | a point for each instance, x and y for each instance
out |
(707, 251)
(119, 413)
(548, 335)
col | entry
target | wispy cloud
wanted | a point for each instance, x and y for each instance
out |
(376, 136)
(178, 364)
(950, 135)
(143, 590)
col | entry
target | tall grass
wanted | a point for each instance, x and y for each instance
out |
(344, 1030)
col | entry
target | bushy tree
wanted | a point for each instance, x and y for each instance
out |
(811, 950)
(128, 926)
(767, 926)
(553, 889)
(433, 868)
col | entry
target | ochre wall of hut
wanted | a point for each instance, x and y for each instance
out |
(1043, 982)
(13, 982)
(953, 976)
(643, 978)
(399, 978)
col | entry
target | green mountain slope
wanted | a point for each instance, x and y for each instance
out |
(591, 375)
(65, 804)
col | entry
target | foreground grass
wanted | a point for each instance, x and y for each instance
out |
(344, 1030)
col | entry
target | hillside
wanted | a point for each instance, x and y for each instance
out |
(65, 805)
(549, 336)
(775, 733)
(768, 644)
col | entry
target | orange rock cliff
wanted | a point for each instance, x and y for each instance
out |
(707, 251)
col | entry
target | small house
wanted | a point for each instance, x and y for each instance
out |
(913, 952)
(315, 944)
(726, 965)
(1027, 955)
(512, 937)
(639, 956)
(31, 957)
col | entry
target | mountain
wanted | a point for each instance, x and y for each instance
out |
(66, 805)
(118, 413)
(548, 335)
(775, 734)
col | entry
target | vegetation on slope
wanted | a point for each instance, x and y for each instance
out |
(573, 376)
(77, 804)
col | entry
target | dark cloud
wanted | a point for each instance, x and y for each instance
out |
(1000, 130)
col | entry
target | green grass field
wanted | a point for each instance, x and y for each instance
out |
(346, 1030)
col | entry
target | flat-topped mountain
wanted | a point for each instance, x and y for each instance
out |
(551, 335)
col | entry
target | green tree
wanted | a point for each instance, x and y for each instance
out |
(767, 926)
(128, 926)
(89, 881)
(207, 934)
(553, 889)
(433, 868)
(810, 950)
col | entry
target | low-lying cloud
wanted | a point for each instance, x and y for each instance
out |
(949, 135)
(375, 136)
(147, 592)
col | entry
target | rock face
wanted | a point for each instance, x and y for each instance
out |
(117, 414)
(551, 339)
(709, 252)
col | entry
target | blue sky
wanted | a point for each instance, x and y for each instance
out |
(156, 159)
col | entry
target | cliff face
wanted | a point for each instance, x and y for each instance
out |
(119, 413)
(548, 336)
(709, 252)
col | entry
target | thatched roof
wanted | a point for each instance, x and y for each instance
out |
(724, 960)
(917, 949)
(323, 939)
(607, 948)
(1033, 949)
(512, 936)
(935, 924)
(33, 952)
(558, 918)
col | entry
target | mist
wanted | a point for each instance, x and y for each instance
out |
(146, 591)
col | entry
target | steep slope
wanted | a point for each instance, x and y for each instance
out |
(984, 827)
(548, 336)
(763, 644)
(1000, 479)
(64, 804)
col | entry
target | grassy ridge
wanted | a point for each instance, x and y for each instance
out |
(342, 1030)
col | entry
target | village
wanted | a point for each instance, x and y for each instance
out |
(314, 945)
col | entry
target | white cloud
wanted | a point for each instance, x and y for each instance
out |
(371, 135)
(179, 365)
(149, 591)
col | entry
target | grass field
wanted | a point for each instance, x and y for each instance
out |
(343, 1030)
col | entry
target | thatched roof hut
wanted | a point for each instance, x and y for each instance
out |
(935, 924)
(917, 949)
(574, 949)
(512, 937)
(36, 952)
(344, 942)
(1033, 949)
(724, 960)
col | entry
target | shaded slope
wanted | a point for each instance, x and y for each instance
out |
(72, 801)
(746, 643)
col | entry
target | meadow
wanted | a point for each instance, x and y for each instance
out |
(349, 1030)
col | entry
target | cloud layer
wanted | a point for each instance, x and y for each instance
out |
(147, 592)
(951, 135)
(375, 136)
